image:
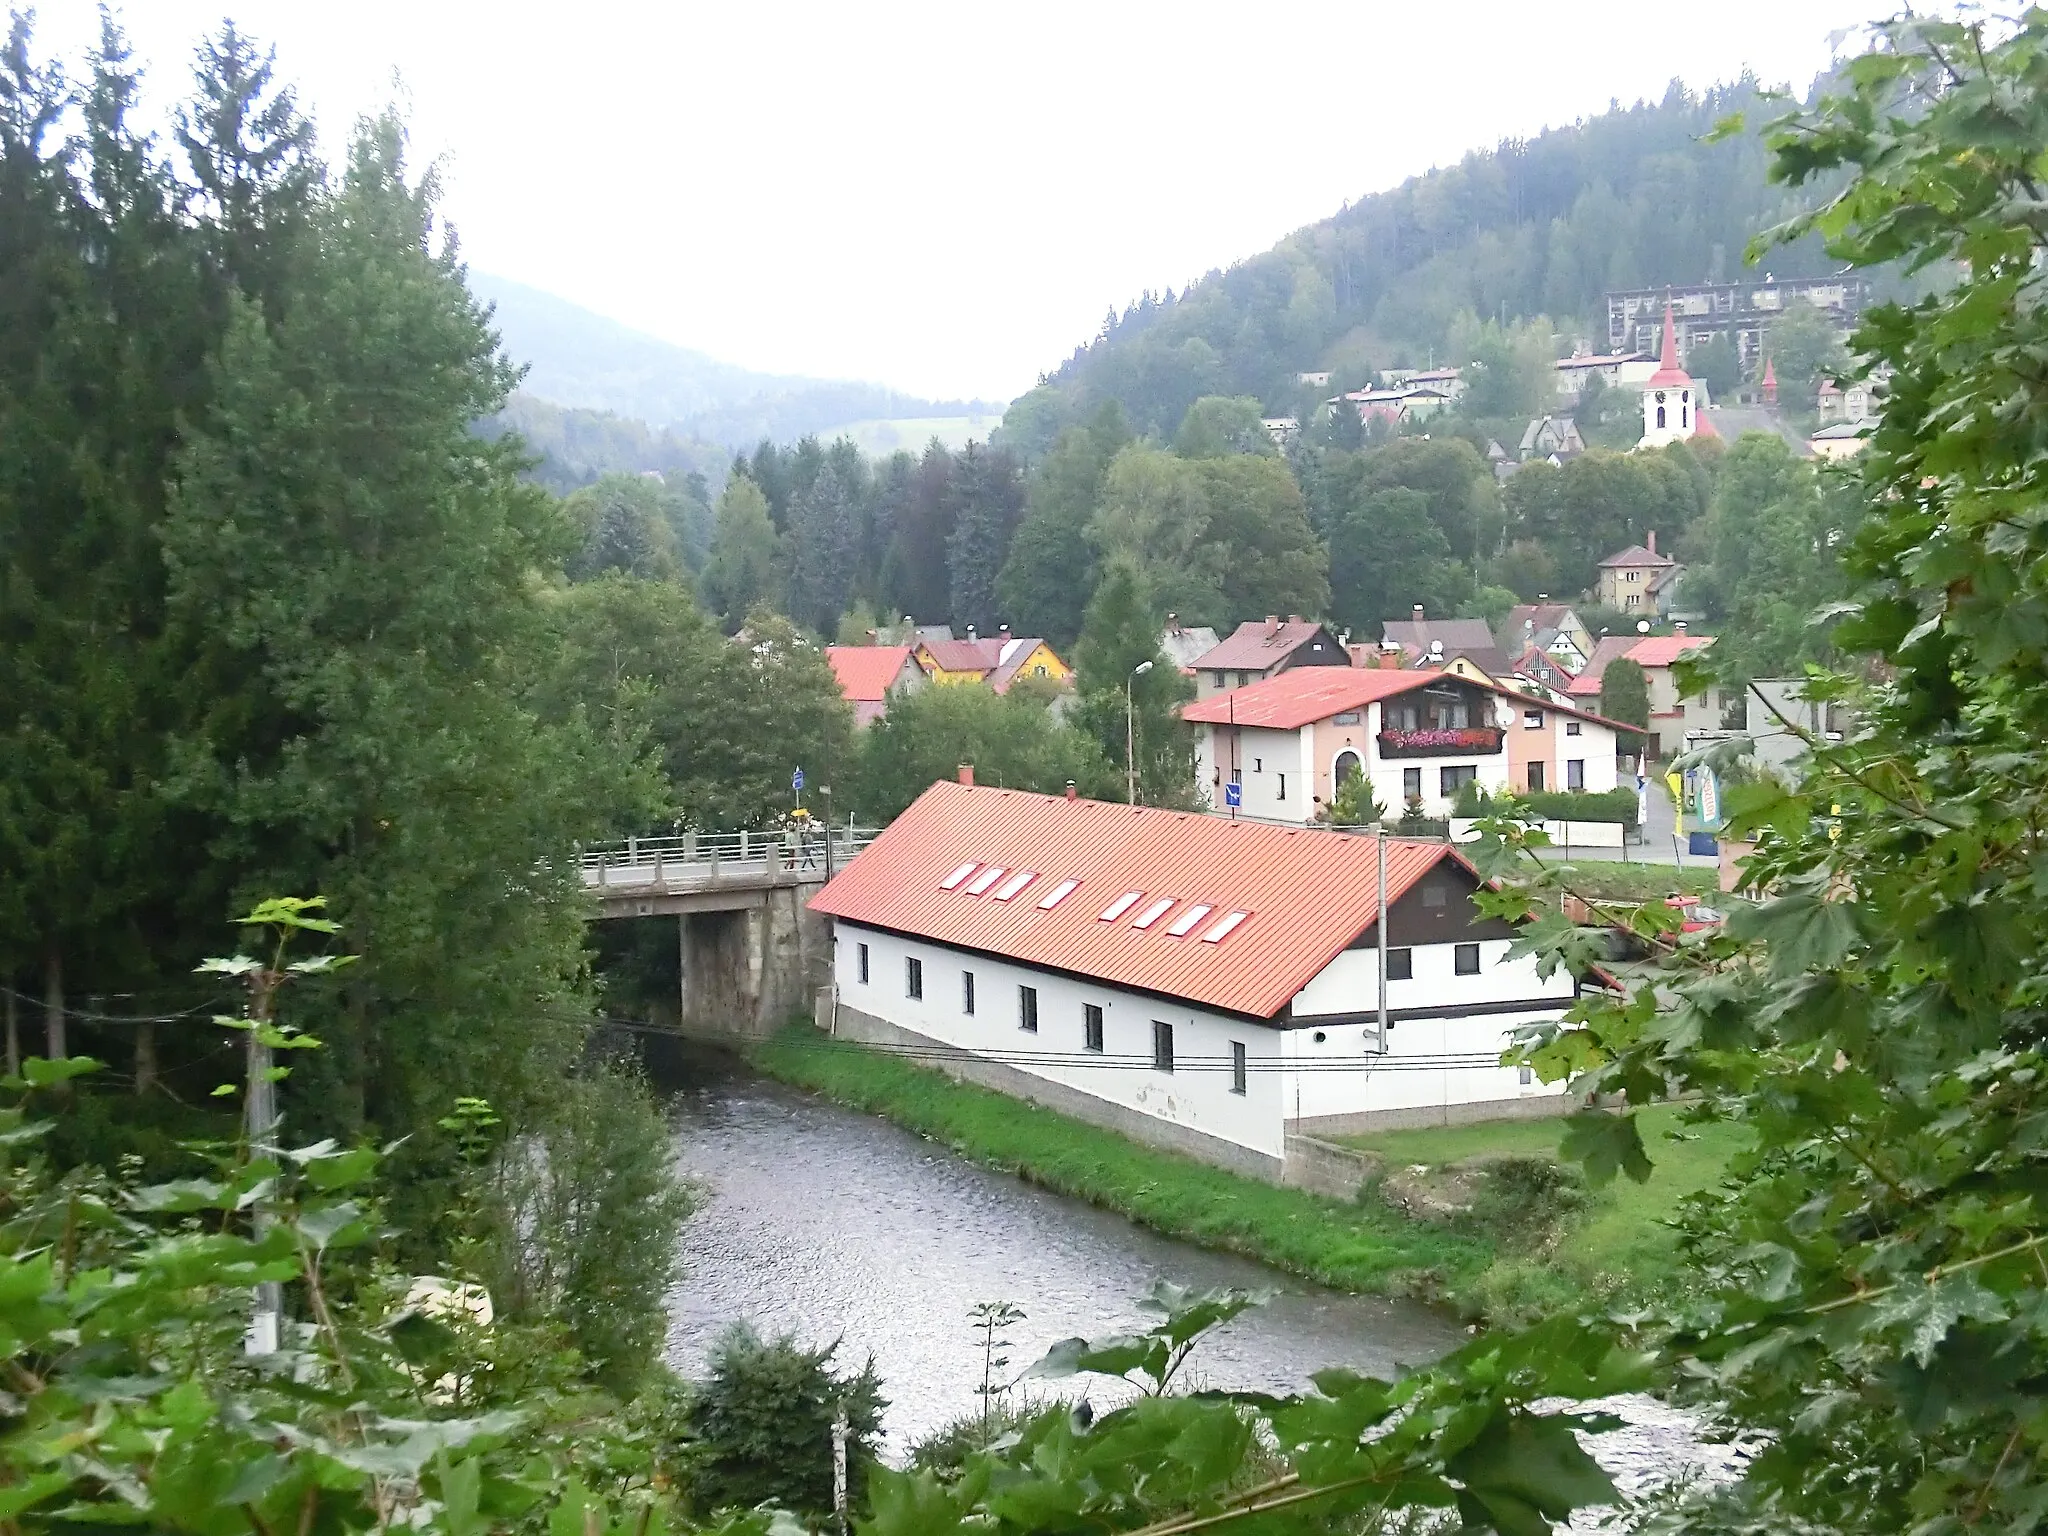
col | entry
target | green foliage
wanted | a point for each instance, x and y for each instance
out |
(761, 1425)
(1569, 805)
(1217, 426)
(739, 570)
(578, 447)
(1050, 568)
(1599, 503)
(1718, 366)
(1353, 805)
(988, 500)
(1806, 348)
(1625, 692)
(637, 525)
(1130, 714)
(1011, 739)
(588, 1215)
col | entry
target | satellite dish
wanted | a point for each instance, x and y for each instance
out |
(1642, 626)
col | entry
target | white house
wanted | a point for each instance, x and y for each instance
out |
(1419, 736)
(1199, 983)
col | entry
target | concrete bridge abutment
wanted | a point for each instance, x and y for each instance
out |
(746, 971)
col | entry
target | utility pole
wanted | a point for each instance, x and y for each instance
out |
(1130, 733)
(840, 1430)
(1380, 842)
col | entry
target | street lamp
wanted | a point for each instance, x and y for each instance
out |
(1130, 734)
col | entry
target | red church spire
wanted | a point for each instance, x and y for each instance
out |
(1669, 375)
(1770, 383)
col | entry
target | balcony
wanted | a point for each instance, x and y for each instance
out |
(1442, 741)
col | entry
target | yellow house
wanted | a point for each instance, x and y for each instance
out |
(996, 662)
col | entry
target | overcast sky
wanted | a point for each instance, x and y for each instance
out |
(943, 198)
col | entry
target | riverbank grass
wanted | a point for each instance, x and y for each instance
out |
(1618, 1245)
(1363, 1246)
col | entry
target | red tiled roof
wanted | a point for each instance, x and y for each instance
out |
(866, 671)
(1307, 893)
(1635, 555)
(1296, 697)
(1011, 654)
(965, 655)
(1647, 651)
(1250, 649)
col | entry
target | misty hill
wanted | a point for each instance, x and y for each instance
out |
(577, 358)
(1544, 226)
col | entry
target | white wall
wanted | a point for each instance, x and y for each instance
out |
(1196, 1094)
(1594, 746)
(1263, 758)
(1387, 773)
(1342, 1075)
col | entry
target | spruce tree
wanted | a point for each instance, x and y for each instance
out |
(740, 571)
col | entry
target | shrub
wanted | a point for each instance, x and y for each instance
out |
(762, 1425)
(1525, 1197)
(1575, 805)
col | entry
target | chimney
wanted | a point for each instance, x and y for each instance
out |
(1072, 793)
(1650, 541)
(1679, 625)
(1173, 623)
(970, 634)
(871, 637)
(967, 774)
(1294, 618)
(1272, 625)
(1004, 631)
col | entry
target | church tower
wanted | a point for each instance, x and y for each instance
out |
(1670, 401)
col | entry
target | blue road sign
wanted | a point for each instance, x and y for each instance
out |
(796, 780)
(1233, 796)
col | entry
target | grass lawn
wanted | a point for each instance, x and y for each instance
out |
(1361, 1246)
(1619, 1243)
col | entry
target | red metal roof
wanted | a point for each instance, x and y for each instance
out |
(866, 671)
(1306, 892)
(1649, 651)
(1662, 650)
(1249, 648)
(1296, 697)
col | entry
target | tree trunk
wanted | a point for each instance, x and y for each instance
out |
(53, 1006)
(13, 1032)
(145, 1058)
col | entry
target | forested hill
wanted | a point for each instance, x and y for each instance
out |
(579, 359)
(1545, 226)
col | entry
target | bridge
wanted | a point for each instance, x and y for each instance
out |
(749, 954)
(706, 872)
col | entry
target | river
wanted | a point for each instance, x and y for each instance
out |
(827, 1224)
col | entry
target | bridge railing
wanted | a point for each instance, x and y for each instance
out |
(699, 858)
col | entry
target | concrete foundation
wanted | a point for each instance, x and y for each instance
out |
(852, 1024)
(747, 967)
(1535, 1107)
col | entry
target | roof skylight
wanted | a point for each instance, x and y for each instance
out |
(1015, 883)
(1057, 894)
(985, 879)
(1153, 913)
(1223, 927)
(954, 879)
(1183, 925)
(1120, 906)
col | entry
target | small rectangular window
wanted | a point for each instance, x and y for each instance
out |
(913, 977)
(1237, 1066)
(1532, 719)
(1575, 773)
(1536, 778)
(1400, 965)
(1571, 728)
(1162, 1046)
(953, 880)
(1015, 883)
(1120, 906)
(1526, 1076)
(1450, 780)
(1223, 927)
(1153, 913)
(861, 960)
(1411, 783)
(967, 991)
(1258, 765)
(1027, 1009)
(1183, 925)
(985, 879)
(1091, 1026)
(1056, 895)
(1283, 788)
(1432, 894)
(1465, 959)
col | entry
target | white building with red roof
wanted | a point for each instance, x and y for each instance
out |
(1203, 984)
(1670, 398)
(1419, 737)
